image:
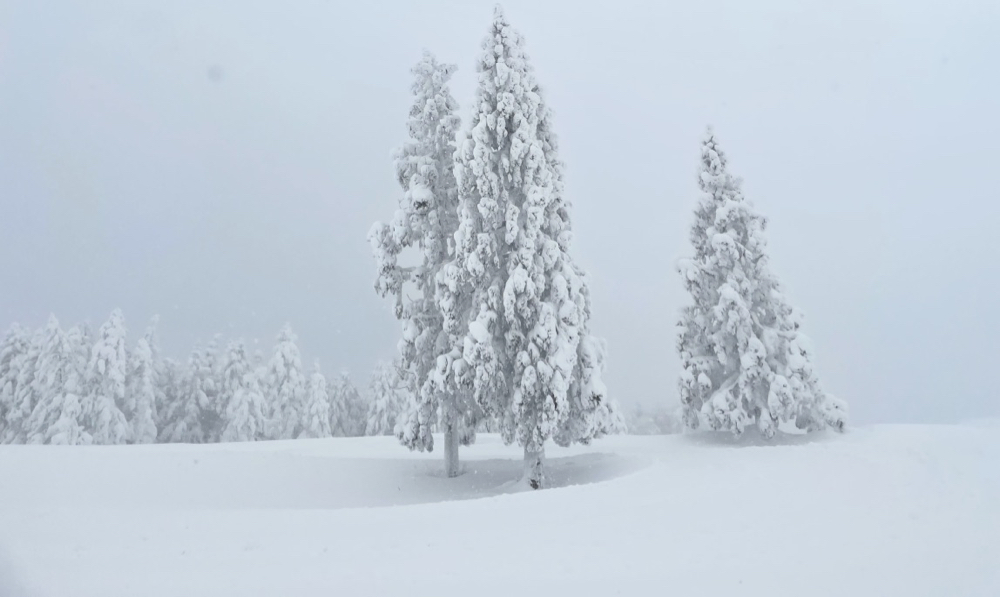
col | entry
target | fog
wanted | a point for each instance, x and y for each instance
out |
(220, 164)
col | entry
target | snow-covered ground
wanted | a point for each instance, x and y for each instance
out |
(886, 510)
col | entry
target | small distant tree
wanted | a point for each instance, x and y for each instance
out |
(659, 420)
(57, 417)
(69, 427)
(13, 351)
(211, 370)
(387, 398)
(142, 393)
(245, 420)
(159, 373)
(316, 411)
(348, 408)
(25, 391)
(48, 380)
(170, 407)
(744, 360)
(286, 388)
(106, 374)
(192, 416)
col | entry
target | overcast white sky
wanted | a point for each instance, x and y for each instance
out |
(221, 163)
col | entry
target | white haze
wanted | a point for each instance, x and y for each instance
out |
(221, 163)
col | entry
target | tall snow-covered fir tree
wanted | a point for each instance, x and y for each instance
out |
(285, 387)
(744, 360)
(426, 220)
(519, 303)
(15, 345)
(106, 374)
(244, 403)
(141, 402)
(387, 398)
(315, 421)
(58, 416)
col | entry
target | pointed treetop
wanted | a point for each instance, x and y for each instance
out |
(154, 323)
(287, 334)
(504, 44)
(712, 157)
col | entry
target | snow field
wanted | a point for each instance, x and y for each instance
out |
(887, 510)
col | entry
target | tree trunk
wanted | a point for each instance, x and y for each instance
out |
(451, 449)
(534, 462)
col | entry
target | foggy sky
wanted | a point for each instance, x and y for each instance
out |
(221, 163)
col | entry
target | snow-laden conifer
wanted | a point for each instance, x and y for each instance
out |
(426, 220)
(106, 374)
(190, 417)
(744, 360)
(58, 416)
(69, 427)
(285, 387)
(142, 393)
(348, 408)
(25, 391)
(170, 387)
(245, 419)
(160, 385)
(513, 293)
(48, 380)
(12, 350)
(387, 397)
(315, 420)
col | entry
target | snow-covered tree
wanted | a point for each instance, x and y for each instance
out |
(48, 382)
(244, 403)
(348, 408)
(193, 416)
(315, 420)
(58, 416)
(387, 398)
(170, 387)
(659, 420)
(285, 388)
(106, 374)
(160, 387)
(142, 393)
(426, 220)
(744, 360)
(69, 427)
(513, 292)
(25, 390)
(12, 350)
